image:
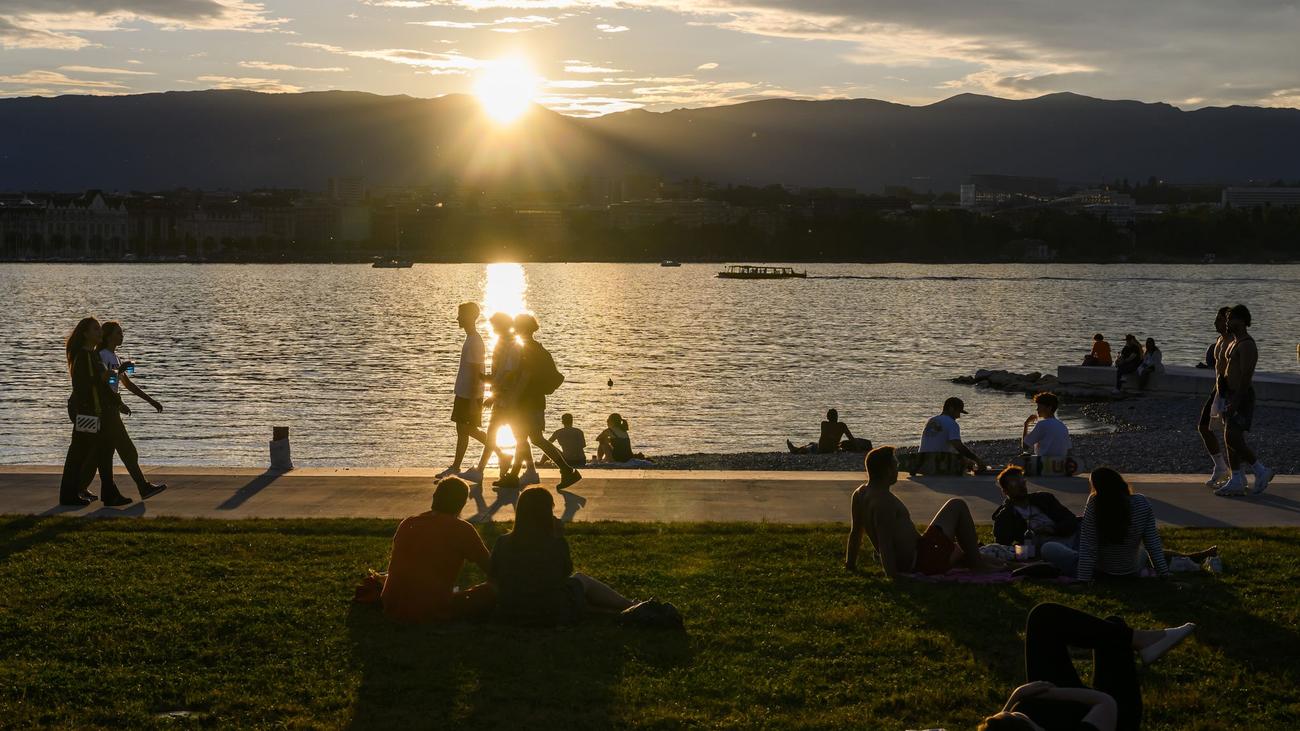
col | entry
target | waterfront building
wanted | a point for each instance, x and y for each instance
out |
(1260, 197)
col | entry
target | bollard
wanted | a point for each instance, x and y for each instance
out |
(280, 458)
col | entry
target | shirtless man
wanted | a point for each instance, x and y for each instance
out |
(1237, 401)
(948, 541)
(1216, 358)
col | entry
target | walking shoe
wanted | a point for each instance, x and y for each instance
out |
(569, 478)
(1234, 487)
(148, 490)
(1262, 478)
(76, 502)
(529, 477)
(1157, 649)
(88, 496)
(117, 502)
(446, 473)
(1213, 565)
(1218, 478)
(473, 476)
(507, 482)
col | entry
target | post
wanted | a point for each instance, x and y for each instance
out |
(280, 458)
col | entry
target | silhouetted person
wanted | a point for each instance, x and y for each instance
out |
(537, 378)
(532, 570)
(572, 441)
(429, 551)
(1050, 436)
(1100, 355)
(1055, 696)
(1022, 510)
(505, 366)
(942, 451)
(1130, 357)
(1152, 362)
(90, 399)
(614, 444)
(832, 431)
(1237, 395)
(116, 438)
(948, 541)
(1216, 358)
(467, 406)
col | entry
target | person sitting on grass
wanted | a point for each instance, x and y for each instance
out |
(942, 451)
(614, 444)
(829, 442)
(948, 541)
(1117, 536)
(1100, 355)
(429, 551)
(532, 570)
(1055, 696)
(1023, 510)
(573, 443)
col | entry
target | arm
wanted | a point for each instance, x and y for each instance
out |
(1242, 377)
(1063, 519)
(964, 451)
(1150, 535)
(847, 434)
(856, 529)
(554, 434)
(130, 386)
(1030, 438)
(1087, 543)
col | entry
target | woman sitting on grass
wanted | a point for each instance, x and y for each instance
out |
(1117, 536)
(532, 571)
(1056, 698)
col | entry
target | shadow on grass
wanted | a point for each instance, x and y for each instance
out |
(495, 676)
(999, 612)
(19, 534)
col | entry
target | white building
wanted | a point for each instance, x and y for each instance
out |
(1258, 197)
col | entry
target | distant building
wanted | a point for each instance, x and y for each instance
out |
(349, 190)
(1118, 208)
(990, 190)
(1259, 197)
(89, 224)
(690, 214)
(541, 224)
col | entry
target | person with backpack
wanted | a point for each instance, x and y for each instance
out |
(537, 378)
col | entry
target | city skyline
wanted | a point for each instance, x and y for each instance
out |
(589, 57)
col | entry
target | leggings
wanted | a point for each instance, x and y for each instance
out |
(117, 440)
(1050, 632)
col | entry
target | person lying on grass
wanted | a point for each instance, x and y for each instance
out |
(429, 551)
(949, 541)
(1056, 698)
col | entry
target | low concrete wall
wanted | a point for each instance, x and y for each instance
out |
(1181, 379)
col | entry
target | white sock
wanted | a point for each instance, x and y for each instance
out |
(1220, 464)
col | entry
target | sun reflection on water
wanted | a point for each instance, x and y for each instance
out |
(503, 291)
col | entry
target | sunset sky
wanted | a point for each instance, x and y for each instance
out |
(598, 56)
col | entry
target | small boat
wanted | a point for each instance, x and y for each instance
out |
(669, 263)
(747, 271)
(392, 263)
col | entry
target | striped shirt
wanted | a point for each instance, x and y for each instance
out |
(1125, 557)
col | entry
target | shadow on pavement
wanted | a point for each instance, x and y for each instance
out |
(254, 486)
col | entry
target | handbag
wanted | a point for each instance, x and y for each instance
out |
(89, 423)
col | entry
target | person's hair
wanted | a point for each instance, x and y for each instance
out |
(567, 419)
(1111, 500)
(1048, 399)
(77, 338)
(1005, 722)
(501, 321)
(1151, 345)
(107, 330)
(879, 462)
(616, 420)
(1130, 336)
(1240, 312)
(832, 415)
(534, 516)
(450, 495)
(1010, 470)
(1098, 336)
(1223, 311)
(525, 323)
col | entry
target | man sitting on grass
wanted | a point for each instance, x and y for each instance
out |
(948, 541)
(429, 551)
(1024, 510)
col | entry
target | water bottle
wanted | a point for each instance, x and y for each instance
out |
(112, 379)
(1030, 546)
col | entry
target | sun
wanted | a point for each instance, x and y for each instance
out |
(506, 88)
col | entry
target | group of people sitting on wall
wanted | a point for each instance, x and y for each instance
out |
(1133, 358)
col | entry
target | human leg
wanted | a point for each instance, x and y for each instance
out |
(601, 595)
(955, 520)
(1047, 649)
(80, 449)
(1062, 556)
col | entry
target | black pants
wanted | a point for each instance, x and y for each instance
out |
(1124, 369)
(117, 440)
(1050, 632)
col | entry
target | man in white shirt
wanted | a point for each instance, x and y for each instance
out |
(942, 451)
(1050, 437)
(467, 410)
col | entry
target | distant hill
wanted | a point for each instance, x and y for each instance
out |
(240, 139)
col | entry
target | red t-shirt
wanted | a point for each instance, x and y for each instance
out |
(429, 551)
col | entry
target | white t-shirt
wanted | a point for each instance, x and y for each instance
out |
(109, 358)
(1049, 437)
(473, 355)
(940, 430)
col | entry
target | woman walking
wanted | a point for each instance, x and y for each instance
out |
(116, 438)
(86, 407)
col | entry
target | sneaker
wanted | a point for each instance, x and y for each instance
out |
(1212, 565)
(1233, 487)
(569, 478)
(507, 482)
(1173, 636)
(473, 476)
(1183, 565)
(148, 490)
(529, 477)
(446, 473)
(1262, 478)
(1218, 478)
(117, 502)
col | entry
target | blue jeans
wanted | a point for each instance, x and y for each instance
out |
(1062, 556)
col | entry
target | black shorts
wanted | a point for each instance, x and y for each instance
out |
(468, 412)
(1244, 415)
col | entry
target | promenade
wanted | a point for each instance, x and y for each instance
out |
(623, 495)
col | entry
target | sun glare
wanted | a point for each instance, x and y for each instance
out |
(503, 291)
(506, 88)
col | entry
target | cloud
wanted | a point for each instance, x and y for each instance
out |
(41, 82)
(578, 67)
(500, 25)
(430, 62)
(251, 84)
(584, 83)
(706, 66)
(54, 23)
(268, 66)
(103, 70)
(607, 28)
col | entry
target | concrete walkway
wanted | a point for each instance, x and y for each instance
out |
(626, 495)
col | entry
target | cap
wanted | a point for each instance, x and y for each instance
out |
(470, 307)
(955, 403)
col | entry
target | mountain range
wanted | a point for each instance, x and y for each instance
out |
(242, 140)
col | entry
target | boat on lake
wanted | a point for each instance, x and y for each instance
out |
(749, 271)
(669, 263)
(392, 262)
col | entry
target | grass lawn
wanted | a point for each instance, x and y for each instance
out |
(249, 623)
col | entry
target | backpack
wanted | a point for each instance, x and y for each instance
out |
(545, 377)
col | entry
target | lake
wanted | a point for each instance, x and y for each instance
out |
(359, 362)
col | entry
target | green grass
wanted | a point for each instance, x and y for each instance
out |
(249, 623)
